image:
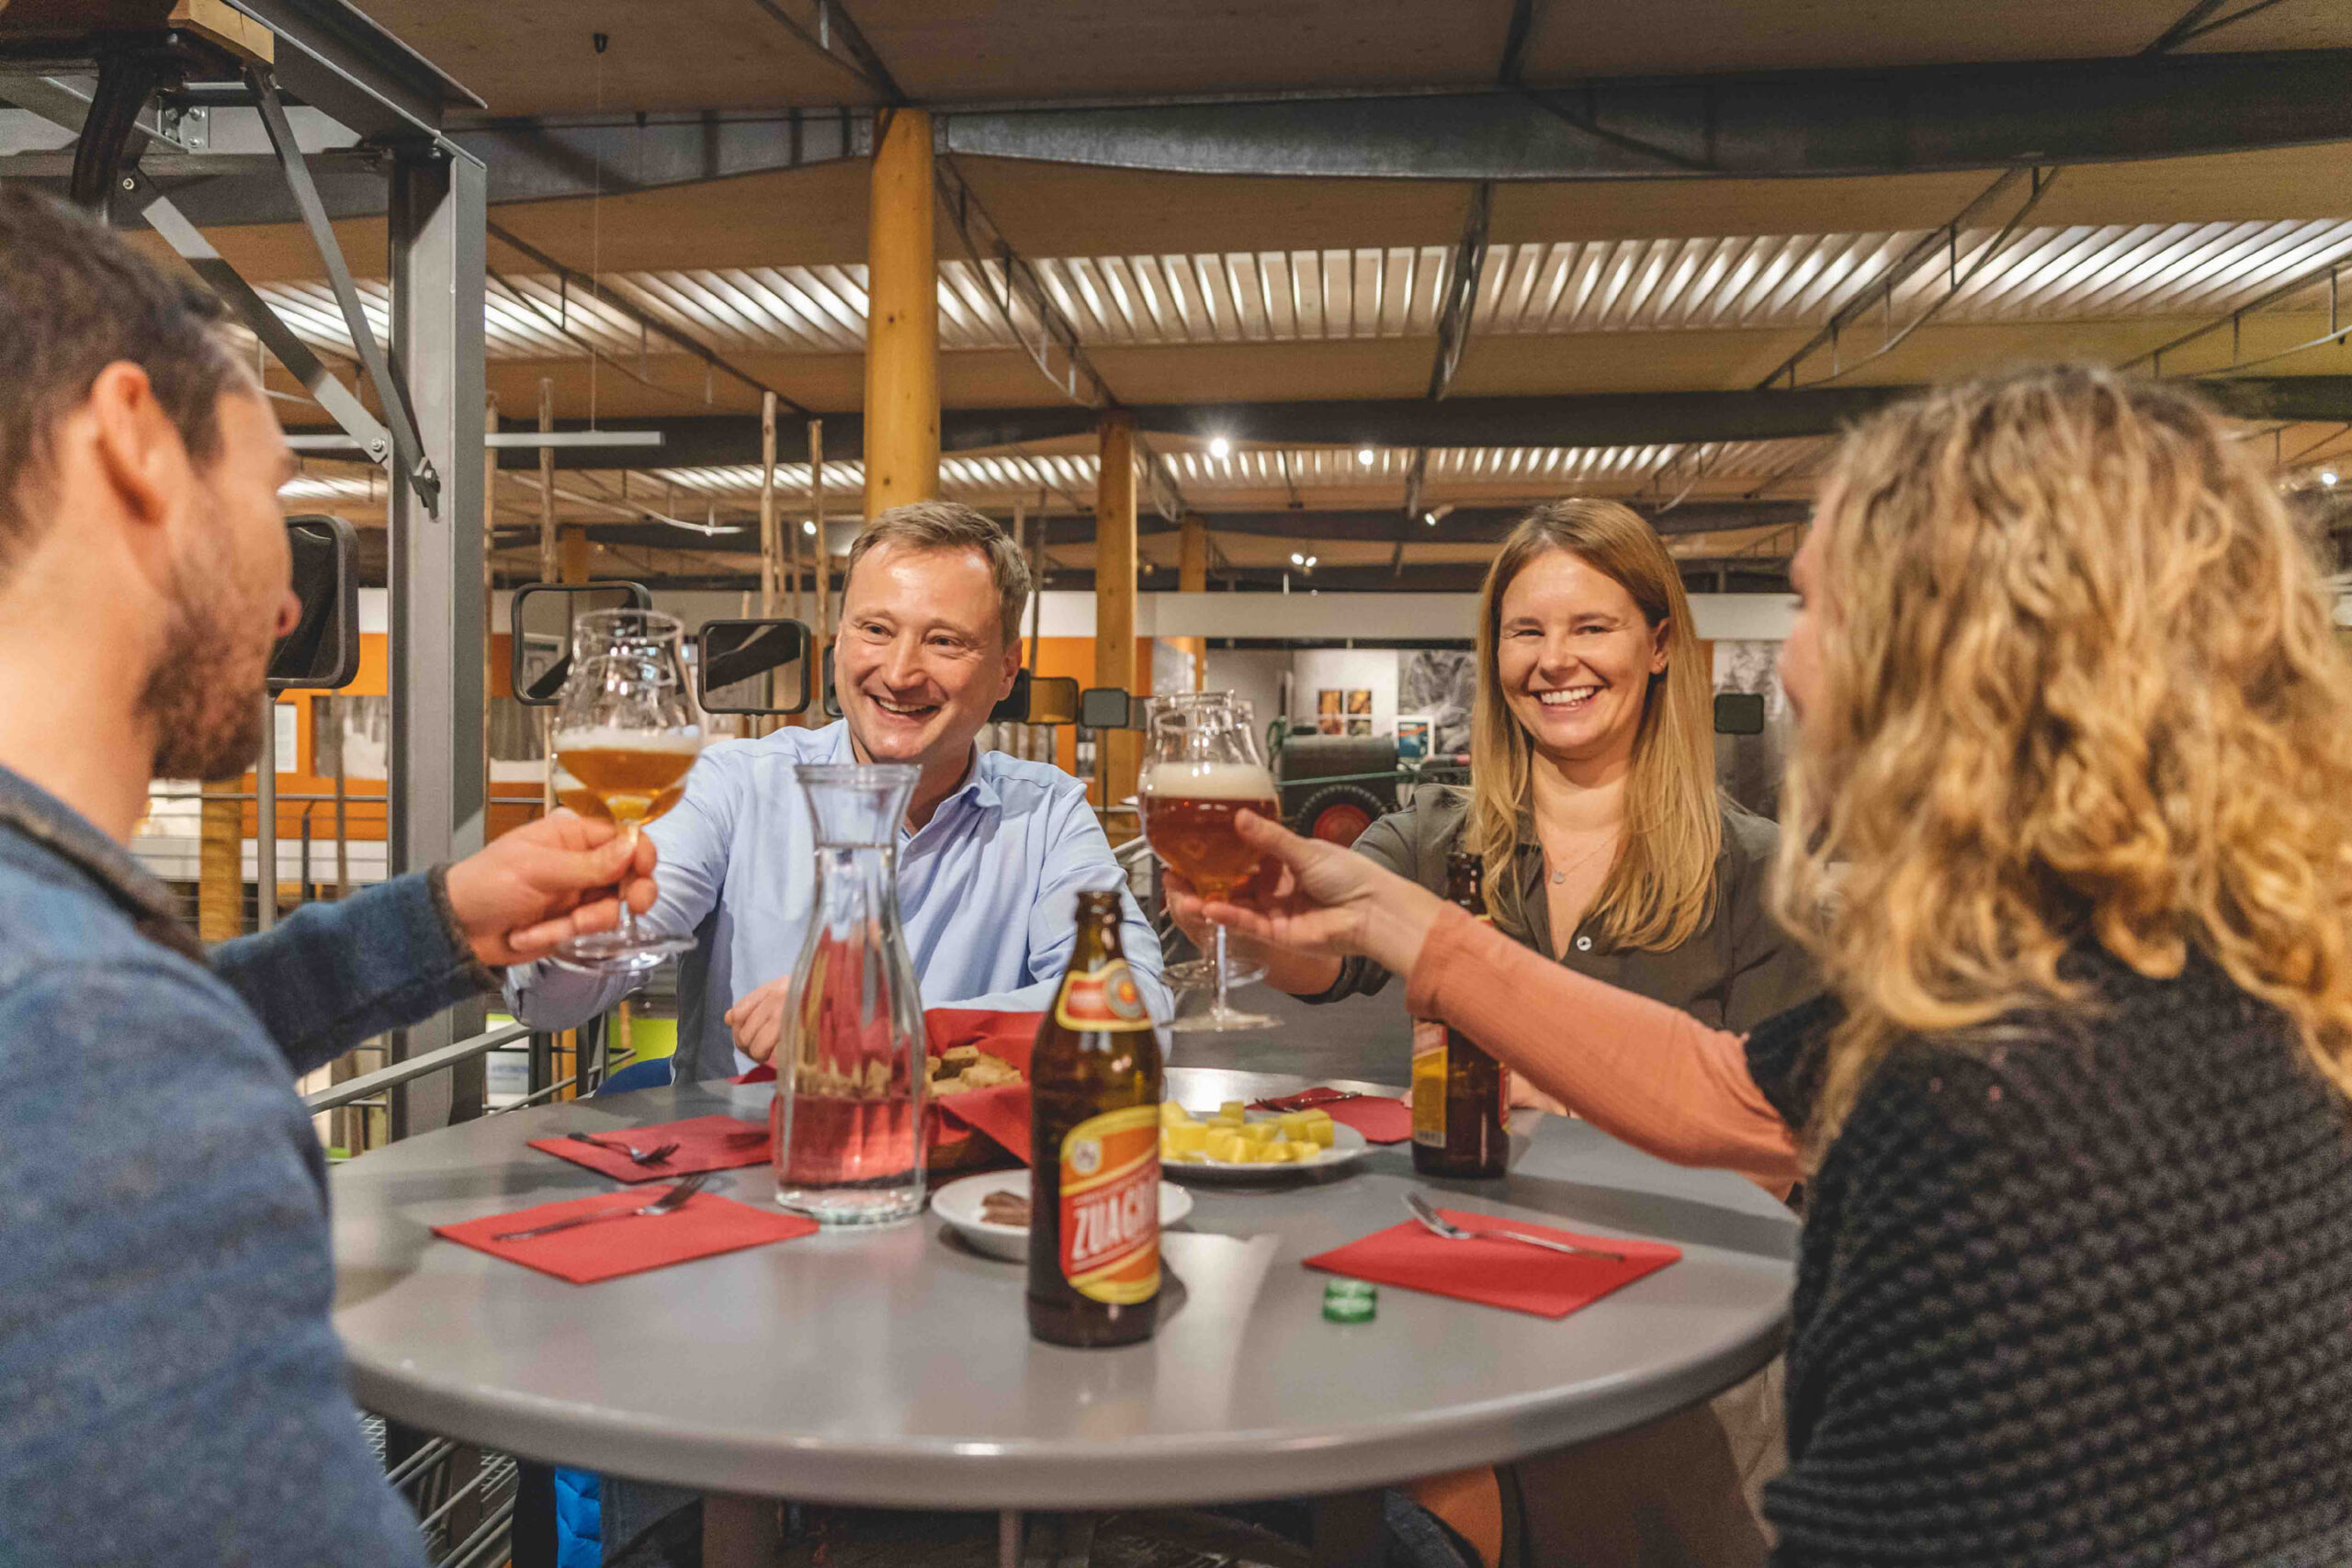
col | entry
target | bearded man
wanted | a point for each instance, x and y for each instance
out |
(175, 1391)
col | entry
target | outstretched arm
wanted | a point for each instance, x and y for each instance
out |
(331, 975)
(1637, 1069)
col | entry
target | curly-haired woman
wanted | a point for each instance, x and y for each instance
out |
(2070, 832)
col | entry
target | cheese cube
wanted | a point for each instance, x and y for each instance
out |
(1304, 1151)
(1320, 1134)
(1173, 1116)
(1261, 1133)
(1291, 1123)
(1224, 1144)
(1192, 1139)
(1232, 1111)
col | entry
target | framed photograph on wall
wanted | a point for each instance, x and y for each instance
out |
(1360, 702)
(1328, 705)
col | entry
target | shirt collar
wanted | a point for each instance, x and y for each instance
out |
(980, 779)
(47, 821)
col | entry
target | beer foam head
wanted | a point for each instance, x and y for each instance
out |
(1209, 780)
(610, 738)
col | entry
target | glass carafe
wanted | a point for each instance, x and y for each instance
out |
(848, 1113)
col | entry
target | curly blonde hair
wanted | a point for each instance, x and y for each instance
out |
(1661, 886)
(2079, 684)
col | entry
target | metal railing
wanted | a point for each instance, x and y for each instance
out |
(483, 1504)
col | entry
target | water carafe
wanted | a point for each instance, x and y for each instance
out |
(848, 1113)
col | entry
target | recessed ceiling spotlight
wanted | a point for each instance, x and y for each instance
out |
(1219, 447)
(809, 527)
(1429, 518)
(1366, 455)
(2327, 477)
(1297, 559)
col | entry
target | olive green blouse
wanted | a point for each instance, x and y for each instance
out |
(1738, 970)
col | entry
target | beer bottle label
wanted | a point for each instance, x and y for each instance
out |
(1102, 1001)
(1429, 1083)
(1111, 1206)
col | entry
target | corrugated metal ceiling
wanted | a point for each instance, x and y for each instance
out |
(2053, 273)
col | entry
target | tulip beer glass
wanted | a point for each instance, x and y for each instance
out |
(625, 736)
(1200, 768)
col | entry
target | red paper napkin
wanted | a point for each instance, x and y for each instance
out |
(705, 1143)
(1379, 1120)
(1496, 1273)
(1001, 1114)
(704, 1227)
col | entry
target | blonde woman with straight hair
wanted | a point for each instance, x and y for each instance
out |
(2071, 830)
(1592, 800)
(1607, 850)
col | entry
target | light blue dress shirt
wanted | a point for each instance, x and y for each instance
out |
(988, 889)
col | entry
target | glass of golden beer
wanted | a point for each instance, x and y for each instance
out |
(1200, 768)
(625, 734)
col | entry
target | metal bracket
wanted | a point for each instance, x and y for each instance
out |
(128, 77)
(407, 449)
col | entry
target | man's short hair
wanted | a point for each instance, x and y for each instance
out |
(951, 526)
(74, 300)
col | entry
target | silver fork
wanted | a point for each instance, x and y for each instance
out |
(638, 1155)
(1451, 1231)
(669, 1203)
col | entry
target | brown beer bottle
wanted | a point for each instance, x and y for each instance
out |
(1094, 1087)
(1461, 1095)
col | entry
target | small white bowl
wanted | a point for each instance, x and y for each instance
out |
(958, 1203)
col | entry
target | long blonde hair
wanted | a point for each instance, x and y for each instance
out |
(1661, 887)
(2078, 683)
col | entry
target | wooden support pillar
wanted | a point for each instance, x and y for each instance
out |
(820, 559)
(551, 561)
(220, 863)
(901, 320)
(550, 570)
(1114, 599)
(771, 547)
(1192, 557)
(579, 555)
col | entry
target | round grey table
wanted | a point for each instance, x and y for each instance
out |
(894, 1367)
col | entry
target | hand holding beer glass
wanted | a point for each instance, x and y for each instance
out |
(626, 735)
(1200, 768)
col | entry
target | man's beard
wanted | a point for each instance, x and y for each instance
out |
(207, 715)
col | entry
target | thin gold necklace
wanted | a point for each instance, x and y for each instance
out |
(1560, 874)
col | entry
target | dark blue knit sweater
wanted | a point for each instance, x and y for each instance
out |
(2078, 1293)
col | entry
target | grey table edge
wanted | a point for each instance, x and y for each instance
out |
(1295, 1460)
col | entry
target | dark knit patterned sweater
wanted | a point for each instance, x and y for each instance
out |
(2080, 1294)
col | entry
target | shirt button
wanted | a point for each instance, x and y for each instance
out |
(1584, 944)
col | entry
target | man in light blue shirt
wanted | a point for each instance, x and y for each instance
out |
(992, 854)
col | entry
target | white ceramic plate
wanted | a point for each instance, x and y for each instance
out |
(959, 1202)
(1347, 1146)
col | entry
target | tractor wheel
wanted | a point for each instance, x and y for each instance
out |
(1340, 814)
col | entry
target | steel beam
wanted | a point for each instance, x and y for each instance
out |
(1803, 122)
(437, 766)
(1782, 124)
(391, 395)
(1600, 419)
(1630, 419)
(1462, 525)
(333, 57)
